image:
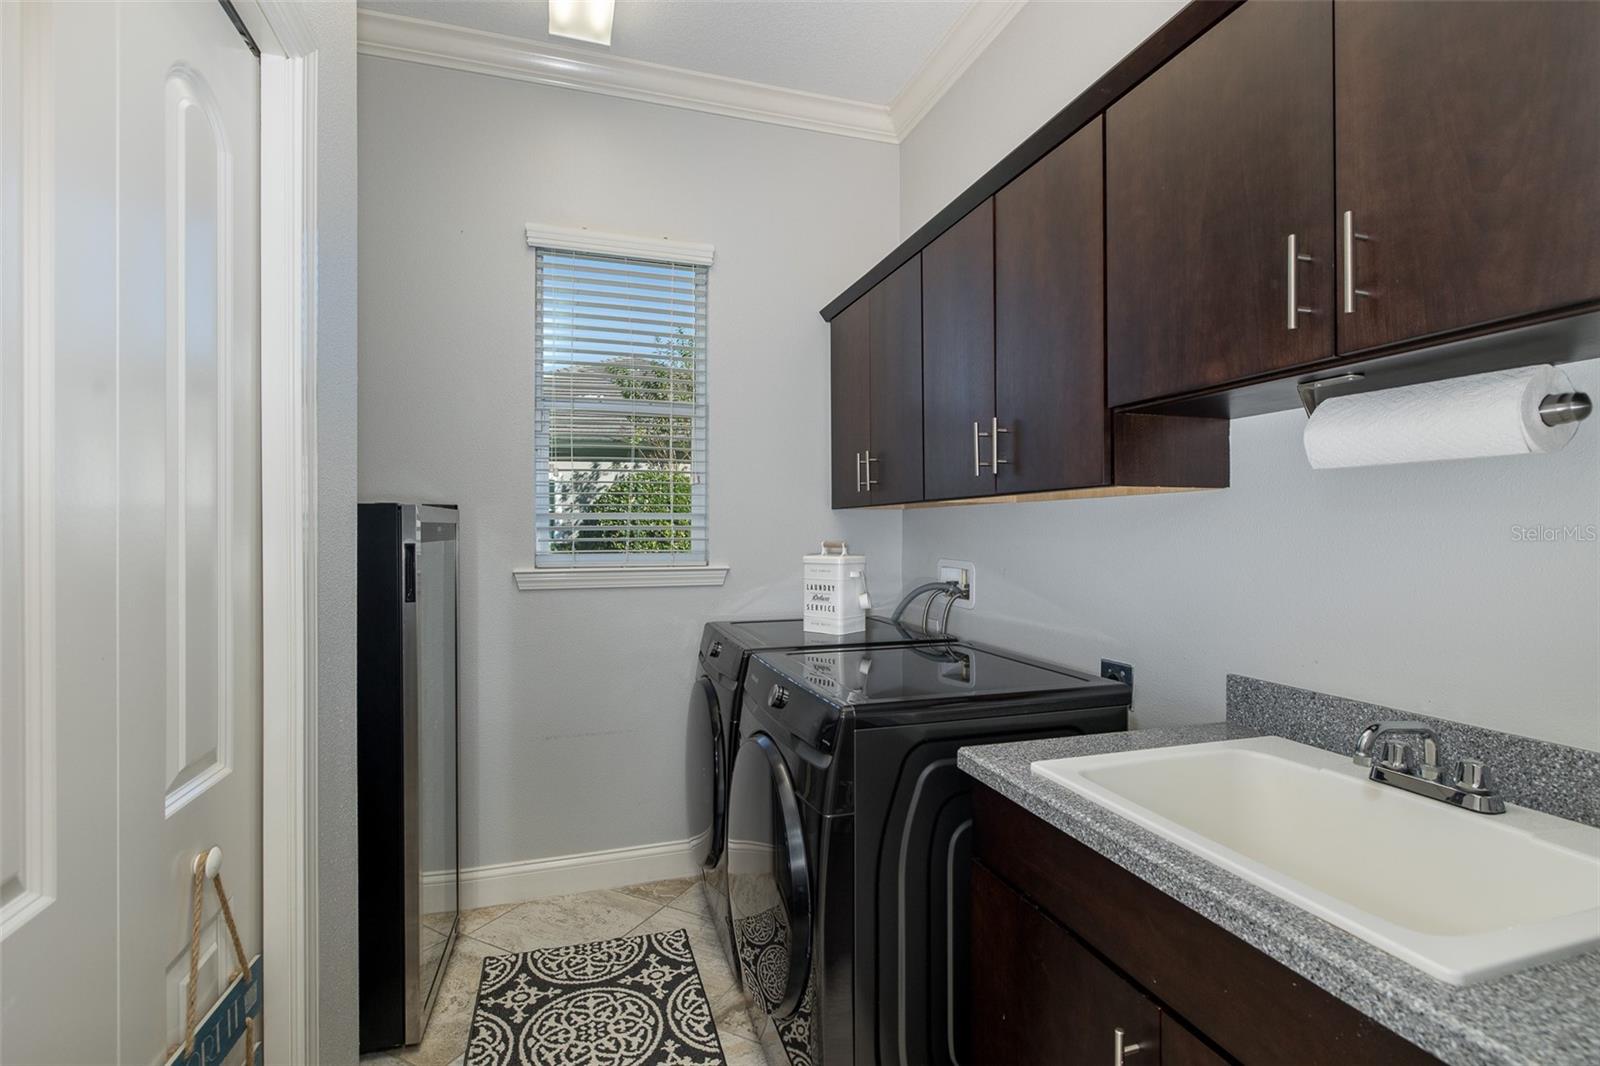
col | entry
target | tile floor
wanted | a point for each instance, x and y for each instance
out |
(543, 923)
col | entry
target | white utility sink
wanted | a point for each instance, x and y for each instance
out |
(1462, 896)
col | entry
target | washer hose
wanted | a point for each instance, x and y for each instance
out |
(950, 588)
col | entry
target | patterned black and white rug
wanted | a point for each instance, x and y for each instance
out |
(633, 1001)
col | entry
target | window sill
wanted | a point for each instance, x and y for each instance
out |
(620, 577)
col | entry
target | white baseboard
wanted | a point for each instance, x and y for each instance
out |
(514, 882)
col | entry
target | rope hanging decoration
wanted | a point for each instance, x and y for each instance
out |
(208, 865)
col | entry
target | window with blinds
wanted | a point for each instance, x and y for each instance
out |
(620, 410)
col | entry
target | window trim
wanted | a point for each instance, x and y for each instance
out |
(580, 239)
(688, 575)
(682, 575)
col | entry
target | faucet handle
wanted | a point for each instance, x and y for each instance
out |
(1472, 775)
(1398, 755)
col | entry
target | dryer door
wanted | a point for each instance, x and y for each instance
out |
(769, 879)
(705, 719)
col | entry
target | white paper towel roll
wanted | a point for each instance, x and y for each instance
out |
(1460, 418)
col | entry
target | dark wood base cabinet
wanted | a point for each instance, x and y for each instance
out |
(1078, 961)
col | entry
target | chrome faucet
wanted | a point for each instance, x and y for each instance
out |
(1393, 761)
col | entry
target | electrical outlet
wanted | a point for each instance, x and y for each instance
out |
(1112, 670)
(964, 574)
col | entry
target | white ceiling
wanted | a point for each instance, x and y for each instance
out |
(865, 50)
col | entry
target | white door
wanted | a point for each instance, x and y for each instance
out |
(130, 552)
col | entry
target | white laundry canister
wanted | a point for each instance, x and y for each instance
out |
(836, 590)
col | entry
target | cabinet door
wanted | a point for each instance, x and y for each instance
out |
(1469, 154)
(958, 377)
(1038, 995)
(1182, 1047)
(1212, 164)
(1049, 319)
(894, 468)
(850, 382)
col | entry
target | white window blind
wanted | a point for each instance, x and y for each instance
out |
(620, 410)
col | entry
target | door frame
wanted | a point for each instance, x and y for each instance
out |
(289, 931)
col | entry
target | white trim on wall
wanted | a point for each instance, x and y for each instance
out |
(546, 63)
(514, 882)
(956, 51)
(531, 579)
(583, 239)
(289, 932)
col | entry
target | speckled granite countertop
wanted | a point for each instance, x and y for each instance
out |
(1546, 1015)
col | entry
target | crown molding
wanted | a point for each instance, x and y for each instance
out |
(957, 49)
(544, 63)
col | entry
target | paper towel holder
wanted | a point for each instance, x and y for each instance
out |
(1564, 407)
(1554, 410)
(1309, 397)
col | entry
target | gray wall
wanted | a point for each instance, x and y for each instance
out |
(334, 28)
(1405, 586)
(1048, 54)
(573, 734)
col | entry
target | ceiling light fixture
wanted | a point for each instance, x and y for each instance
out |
(582, 20)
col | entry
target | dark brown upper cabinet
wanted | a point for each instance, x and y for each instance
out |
(850, 384)
(1468, 165)
(958, 371)
(1219, 206)
(1049, 322)
(893, 466)
(876, 388)
(1013, 339)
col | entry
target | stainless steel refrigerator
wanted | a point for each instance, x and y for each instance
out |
(406, 763)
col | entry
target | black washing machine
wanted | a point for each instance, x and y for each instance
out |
(849, 838)
(725, 649)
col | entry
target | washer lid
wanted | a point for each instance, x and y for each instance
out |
(909, 677)
(760, 634)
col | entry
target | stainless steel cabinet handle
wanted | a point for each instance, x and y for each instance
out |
(977, 461)
(867, 465)
(858, 471)
(1296, 257)
(1350, 238)
(1122, 1049)
(995, 429)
